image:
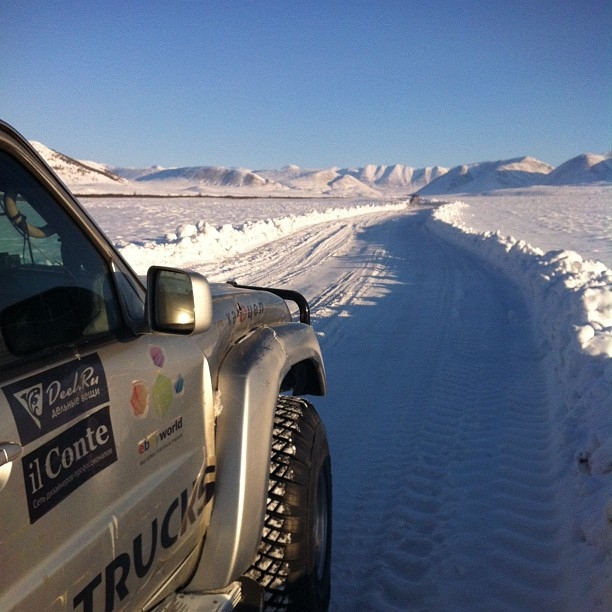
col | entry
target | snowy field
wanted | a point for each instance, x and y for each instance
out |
(552, 218)
(469, 355)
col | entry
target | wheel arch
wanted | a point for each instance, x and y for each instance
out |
(250, 378)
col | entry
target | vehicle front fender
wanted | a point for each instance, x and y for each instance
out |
(249, 381)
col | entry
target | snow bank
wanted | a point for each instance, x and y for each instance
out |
(571, 297)
(197, 243)
(571, 304)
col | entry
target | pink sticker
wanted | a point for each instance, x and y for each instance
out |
(158, 356)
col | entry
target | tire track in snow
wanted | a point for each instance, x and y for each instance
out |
(504, 524)
(487, 431)
(281, 261)
(444, 491)
(437, 418)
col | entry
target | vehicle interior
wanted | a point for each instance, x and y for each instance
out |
(54, 284)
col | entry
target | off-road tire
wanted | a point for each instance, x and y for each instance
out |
(293, 560)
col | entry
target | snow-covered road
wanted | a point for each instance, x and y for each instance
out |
(470, 429)
(438, 419)
(438, 423)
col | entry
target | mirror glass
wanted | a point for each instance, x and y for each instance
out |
(174, 301)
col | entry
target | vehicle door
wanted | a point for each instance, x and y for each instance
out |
(101, 428)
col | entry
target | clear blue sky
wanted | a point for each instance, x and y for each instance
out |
(262, 84)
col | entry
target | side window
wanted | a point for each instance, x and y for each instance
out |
(54, 286)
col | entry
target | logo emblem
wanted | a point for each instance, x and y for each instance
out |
(32, 400)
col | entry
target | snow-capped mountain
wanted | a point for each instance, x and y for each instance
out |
(398, 176)
(75, 172)
(370, 181)
(488, 176)
(521, 172)
(212, 175)
(587, 168)
(330, 181)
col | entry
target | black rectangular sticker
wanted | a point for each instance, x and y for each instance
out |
(57, 468)
(45, 401)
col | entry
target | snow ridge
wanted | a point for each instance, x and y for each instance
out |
(194, 243)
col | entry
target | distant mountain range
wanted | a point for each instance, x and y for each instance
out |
(371, 181)
(584, 169)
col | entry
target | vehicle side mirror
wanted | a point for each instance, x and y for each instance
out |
(178, 302)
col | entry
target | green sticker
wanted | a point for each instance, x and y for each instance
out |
(161, 395)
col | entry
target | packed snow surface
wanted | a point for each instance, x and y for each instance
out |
(468, 348)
